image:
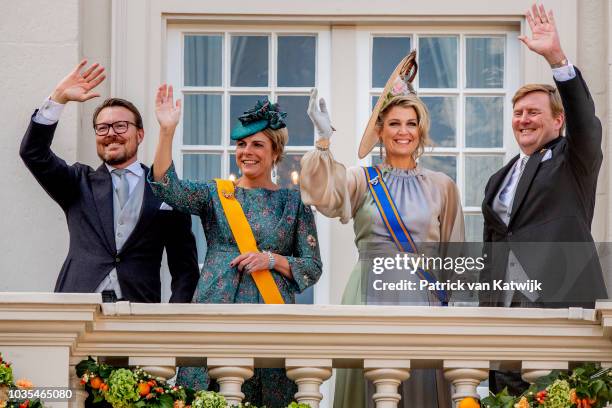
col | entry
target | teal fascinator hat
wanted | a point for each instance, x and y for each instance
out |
(263, 115)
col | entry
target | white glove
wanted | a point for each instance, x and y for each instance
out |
(319, 116)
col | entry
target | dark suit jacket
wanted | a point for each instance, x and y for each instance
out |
(86, 197)
(550, 224)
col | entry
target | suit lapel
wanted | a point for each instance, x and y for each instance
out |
(102, 188)
(525, 181)
(150, 205)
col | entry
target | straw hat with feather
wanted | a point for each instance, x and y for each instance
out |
(399, 83)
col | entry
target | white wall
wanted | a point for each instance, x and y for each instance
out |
(39, 43)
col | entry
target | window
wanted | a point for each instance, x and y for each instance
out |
(466, 82)
(221, 74)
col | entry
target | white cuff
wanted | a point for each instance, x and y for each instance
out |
(565, 73)
(49, 113)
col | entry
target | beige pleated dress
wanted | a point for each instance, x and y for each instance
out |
(430, 207)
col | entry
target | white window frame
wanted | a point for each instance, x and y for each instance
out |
(512, 73)
(174, 68)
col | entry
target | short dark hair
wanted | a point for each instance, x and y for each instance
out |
(110, 102)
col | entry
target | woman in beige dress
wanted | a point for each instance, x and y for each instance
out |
(427, 201)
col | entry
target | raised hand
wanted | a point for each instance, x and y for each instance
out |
(544, 35)
(167, 112)
(319, 116)
(77, 85)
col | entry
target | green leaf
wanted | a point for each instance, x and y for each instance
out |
(85, 366)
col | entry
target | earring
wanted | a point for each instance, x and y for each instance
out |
(380, 152)
(240, 170)
(274, 173)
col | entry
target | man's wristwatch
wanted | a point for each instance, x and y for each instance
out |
(559, 64)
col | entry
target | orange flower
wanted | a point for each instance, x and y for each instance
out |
(468, 402)
(522, 403)
(24, 384)
(573, 398)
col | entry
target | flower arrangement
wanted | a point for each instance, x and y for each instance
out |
(7, 382)
(124, 388)
(588, 386)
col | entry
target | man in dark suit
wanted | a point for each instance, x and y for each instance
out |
(539, 207)
(118, 228)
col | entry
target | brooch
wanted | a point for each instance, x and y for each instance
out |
(374, 181)
(312, 241)
(227, 194)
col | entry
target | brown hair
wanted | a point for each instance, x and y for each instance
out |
(410, 101)
(111, 102)
(556, 106)
(279, 139)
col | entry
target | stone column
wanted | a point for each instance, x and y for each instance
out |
(231, 373)
(532, 370)
(164, 367)
(309, 374)
(465, 375)
(74, 381)
(387, 376)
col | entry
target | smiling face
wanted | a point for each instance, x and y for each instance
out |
(255, 157)
(533, 122)
(400, 133)
(118, 150)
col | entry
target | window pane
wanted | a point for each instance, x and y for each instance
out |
(249, 60)
(438, 62)
(240, 104)
(445, 164)
(201, 167)
(301, 130)
(473, 227)
(374, 100)
(484, 121)
(478, 169)
(485, 62)
(443, 114)
(203, 60)
(202, 119)
(296, 61)
(387, 52)
(288, 170)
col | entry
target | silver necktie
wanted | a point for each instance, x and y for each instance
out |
(123, 187)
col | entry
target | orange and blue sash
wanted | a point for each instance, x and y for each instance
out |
(394, 223)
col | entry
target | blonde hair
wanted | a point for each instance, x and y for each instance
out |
(424, 123)
(279, 139)
(556, 106)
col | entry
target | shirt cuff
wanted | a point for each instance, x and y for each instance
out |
(49, 113)
(565, 73)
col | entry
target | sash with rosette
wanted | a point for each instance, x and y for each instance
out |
(241, 230)
(393, 221)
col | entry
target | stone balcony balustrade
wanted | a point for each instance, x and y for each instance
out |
(46, 334)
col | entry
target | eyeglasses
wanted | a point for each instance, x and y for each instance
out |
(119, 127)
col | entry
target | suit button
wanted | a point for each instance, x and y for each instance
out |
(117, 259)
(119, 234)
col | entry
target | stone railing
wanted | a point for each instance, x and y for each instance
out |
(45, 335)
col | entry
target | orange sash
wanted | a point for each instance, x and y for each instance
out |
(246, 240)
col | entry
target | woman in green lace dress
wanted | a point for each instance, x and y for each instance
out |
(283, 227)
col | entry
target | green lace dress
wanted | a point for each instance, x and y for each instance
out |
(282, 224)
